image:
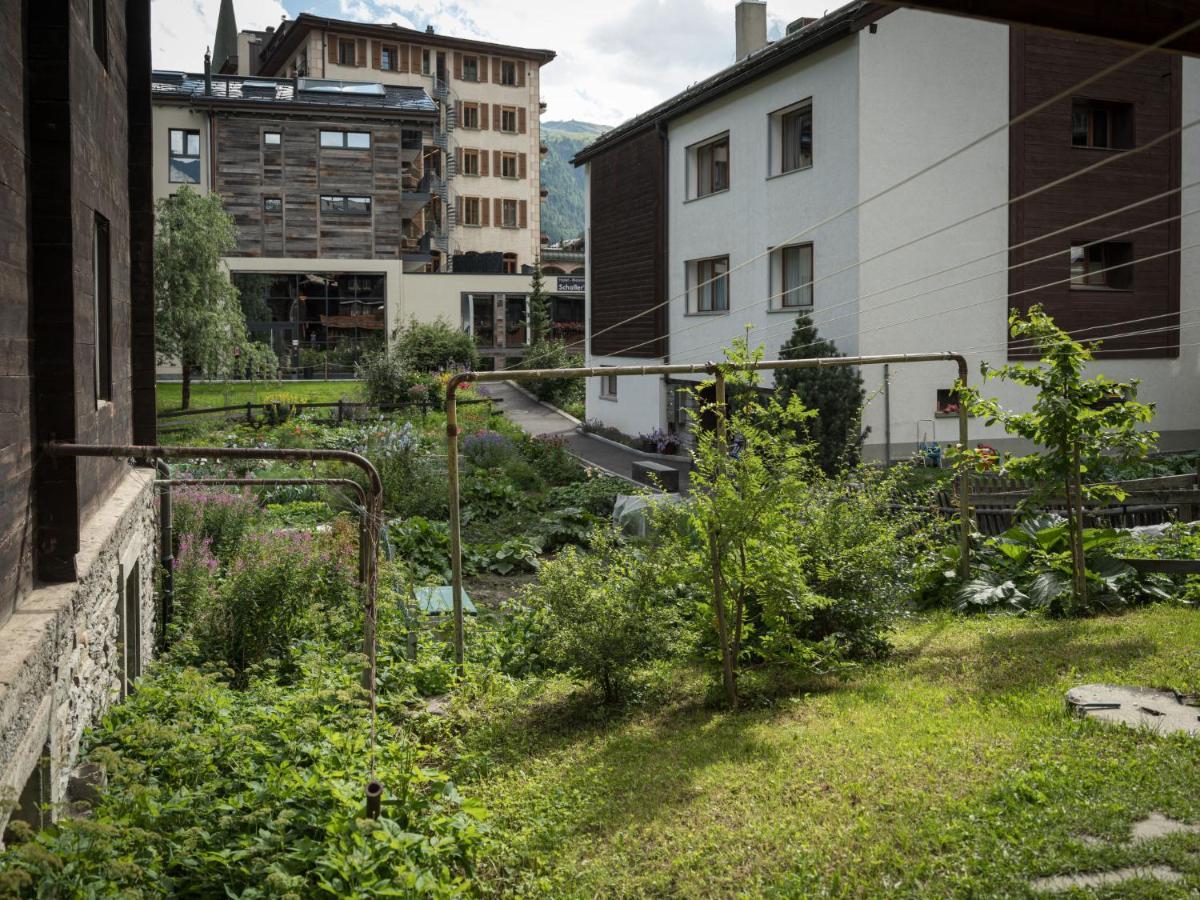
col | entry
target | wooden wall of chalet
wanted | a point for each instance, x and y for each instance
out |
(299, 171)
(1044, 64)
(627, 239)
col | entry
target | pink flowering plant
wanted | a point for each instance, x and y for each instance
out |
(220, 516)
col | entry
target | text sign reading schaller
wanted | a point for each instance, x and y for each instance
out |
(570, 284)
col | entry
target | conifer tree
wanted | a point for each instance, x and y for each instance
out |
(836, 393)
(539, 308)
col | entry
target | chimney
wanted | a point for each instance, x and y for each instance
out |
(751, 27)
(207, 72)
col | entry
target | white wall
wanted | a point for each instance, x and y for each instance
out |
(928, 85)
(427, 296)
(166, 117)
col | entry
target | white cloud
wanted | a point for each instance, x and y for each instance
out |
(615, 58)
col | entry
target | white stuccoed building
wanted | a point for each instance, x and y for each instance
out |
(800, 145)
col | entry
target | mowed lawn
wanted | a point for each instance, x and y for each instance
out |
(240, 392)
(952, 771)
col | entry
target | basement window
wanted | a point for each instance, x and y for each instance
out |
(1102, 266)
(1102, 124)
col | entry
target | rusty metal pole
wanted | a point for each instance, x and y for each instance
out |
(456, 574)
(964, 481)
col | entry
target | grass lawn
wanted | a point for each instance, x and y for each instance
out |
(233, 393)
(953, 770)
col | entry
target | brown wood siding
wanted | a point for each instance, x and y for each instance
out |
(628, 224)
(1042, 65)
(300, 171)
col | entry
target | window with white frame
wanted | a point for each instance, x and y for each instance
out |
(353, 140)
(792, 277)
(508, 165)
(708, 285)
(708, 167)
(470, 208)
(791, 135)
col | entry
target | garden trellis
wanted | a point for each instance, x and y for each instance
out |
(718, 372)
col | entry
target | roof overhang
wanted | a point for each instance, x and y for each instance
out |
(1135, 22)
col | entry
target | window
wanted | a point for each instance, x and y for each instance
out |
(345, 55)
(102, 307)
(947, 402)
(508, 165)
(708, 280)
(1101, 124)
(791, 138)
(608, 387)
(338, 204)
(354, 140)
(508, 72)
(272, 138)
(483, 319)
(1105, 266)
(272, 204)
(516, 324)
(470, 115)
(508, 119)
(510, 264)
(426, 67)
(710, 167)
(508, 213)
(99, 26)
(470, 162)
(387, 58)
(791, 277)
(183, 163)
(470, 68)
(471, 211)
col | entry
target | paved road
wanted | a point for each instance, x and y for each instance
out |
(534, 418)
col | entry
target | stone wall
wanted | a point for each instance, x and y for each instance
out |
(64, 655)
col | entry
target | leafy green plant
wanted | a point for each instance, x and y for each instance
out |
(435, 346)
(602, 613)
(595, 494)
(552, 353)
(1076, 421)
(388, 380)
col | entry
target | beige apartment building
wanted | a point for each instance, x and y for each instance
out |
(483, 159)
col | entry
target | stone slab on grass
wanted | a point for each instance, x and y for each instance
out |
(1158, 711)
(1055, 883)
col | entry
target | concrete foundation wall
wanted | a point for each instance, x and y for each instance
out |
(64, 654)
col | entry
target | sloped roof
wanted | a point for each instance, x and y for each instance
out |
(793, 46)
(230, 90)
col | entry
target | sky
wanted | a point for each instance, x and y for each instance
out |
(615, 57)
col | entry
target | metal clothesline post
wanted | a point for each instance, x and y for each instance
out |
(452, 433)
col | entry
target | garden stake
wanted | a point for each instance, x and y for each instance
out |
(964, 510)
(374, 513)
(374, 798)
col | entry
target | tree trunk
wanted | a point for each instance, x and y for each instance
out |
(722, 624)
(186, 400)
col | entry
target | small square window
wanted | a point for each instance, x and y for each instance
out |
(508, 119)
(333, 139)
(470, 68)
(508, 72)
(708, 282)
(1102, 266)
(358, 140)
(947, 402)
(1102, 124)
(272, 138)
(272, 204)
(792, 277)
(608, 387)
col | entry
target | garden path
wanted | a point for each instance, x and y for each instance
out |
(533, 417)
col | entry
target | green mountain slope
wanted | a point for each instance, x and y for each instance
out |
(562, 211)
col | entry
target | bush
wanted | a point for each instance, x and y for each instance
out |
(387, 380)
(553, 354)
(414, 479)
(548, 455)
(221, 517)
(488, 450)
(435, 347)
(282, 587)
(603, 615)
(596, 494)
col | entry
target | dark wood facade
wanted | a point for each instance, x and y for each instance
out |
(75, 152)
(298, 171)
(627, 241)
(1042, 65)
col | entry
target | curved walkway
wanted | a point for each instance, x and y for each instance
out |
(534, 418)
